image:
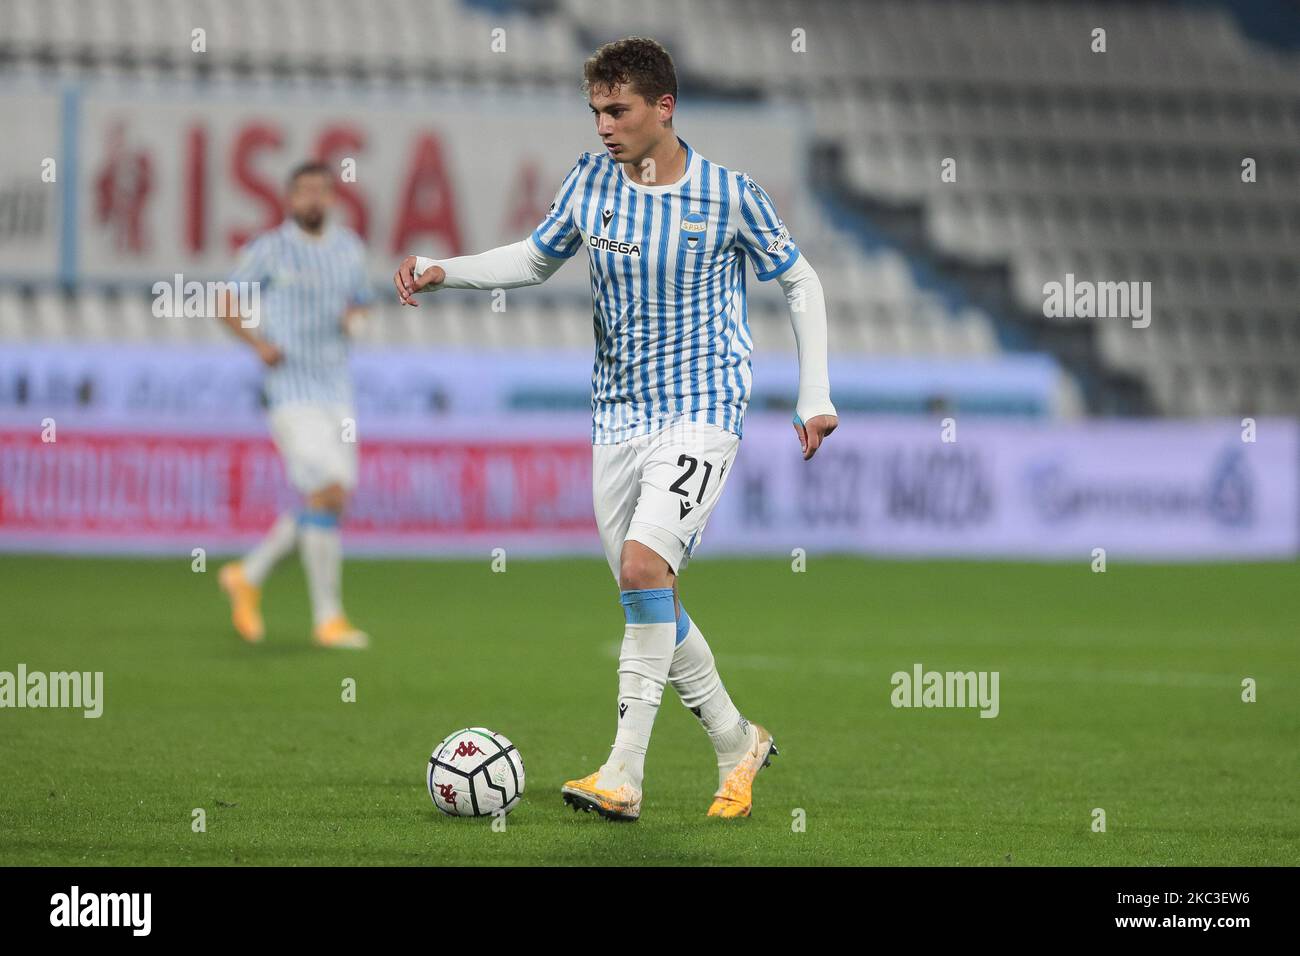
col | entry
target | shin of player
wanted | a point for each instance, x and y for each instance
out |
(694, 675)
(645, 659)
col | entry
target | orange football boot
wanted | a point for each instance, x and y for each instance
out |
(623, 803)
(735, 798)
(245, 602)
(339, 632)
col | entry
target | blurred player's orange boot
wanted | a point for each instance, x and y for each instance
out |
(339, 632)
(621, 803)
(735, 798)
(245, 602)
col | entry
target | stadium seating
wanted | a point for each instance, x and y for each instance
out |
(1118, 165)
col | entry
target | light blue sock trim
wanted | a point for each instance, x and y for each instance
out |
(648, 605)
(318, 519)
(683, 624)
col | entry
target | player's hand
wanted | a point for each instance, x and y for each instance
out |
(812, 432)
(270, 354)
(408, 285)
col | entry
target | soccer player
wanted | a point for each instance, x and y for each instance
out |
(312, 282)
(668, 234)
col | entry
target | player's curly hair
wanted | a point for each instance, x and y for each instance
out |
(640, 61)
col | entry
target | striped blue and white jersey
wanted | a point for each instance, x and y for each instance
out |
(667, 270)
(307, 285)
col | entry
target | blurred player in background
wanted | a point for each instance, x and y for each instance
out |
(313, 287)
(668, 234)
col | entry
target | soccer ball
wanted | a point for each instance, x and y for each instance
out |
(475, 772)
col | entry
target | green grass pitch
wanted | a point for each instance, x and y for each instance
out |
(1119, 690)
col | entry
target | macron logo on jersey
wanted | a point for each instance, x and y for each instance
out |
(613, 245)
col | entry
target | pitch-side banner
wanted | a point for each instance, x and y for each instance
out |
(166, 182)
(409, 392)
(1140, 491)
(1145, 490)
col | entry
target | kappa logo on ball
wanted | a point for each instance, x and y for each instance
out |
(475, 772)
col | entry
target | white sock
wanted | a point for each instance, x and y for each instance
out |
(643, 665)
(278, 542)
(694, 676)
(322, 558)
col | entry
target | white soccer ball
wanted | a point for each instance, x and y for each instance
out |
(475, 772)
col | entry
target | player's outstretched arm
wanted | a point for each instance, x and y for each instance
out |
(228, 313)
(815, 416)
(506, 267)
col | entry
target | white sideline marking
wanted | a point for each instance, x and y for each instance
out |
(858, 670)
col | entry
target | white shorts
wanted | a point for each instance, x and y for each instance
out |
(659, 489)
(310, 440)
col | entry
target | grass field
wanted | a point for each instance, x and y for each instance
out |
(1119, 690)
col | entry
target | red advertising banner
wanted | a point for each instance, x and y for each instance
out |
(138, 491)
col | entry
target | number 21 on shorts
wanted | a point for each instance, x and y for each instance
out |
(692, 464)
